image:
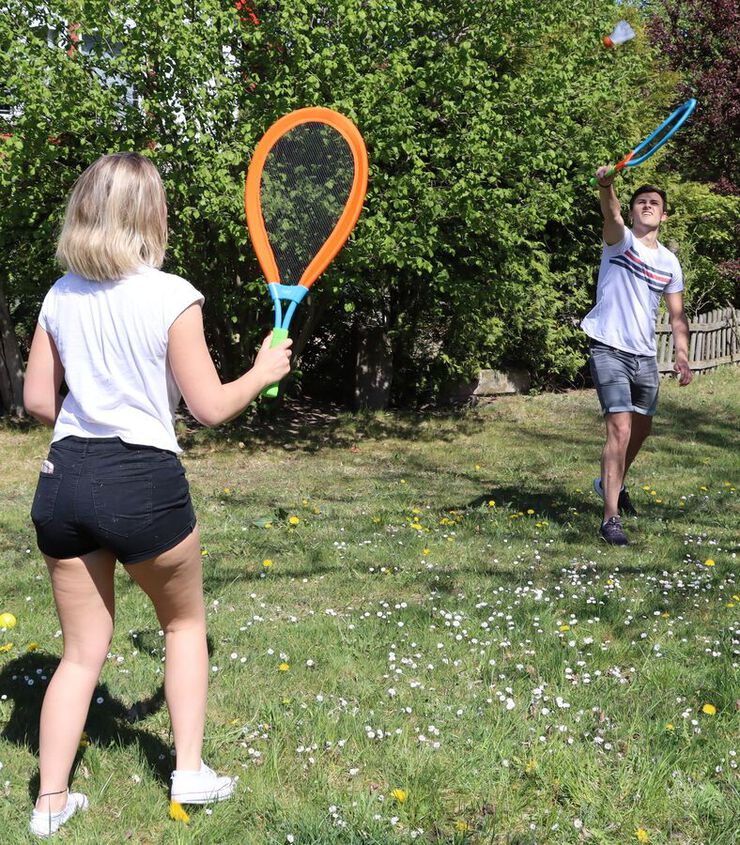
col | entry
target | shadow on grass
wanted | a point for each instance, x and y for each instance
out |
(110, 722)
(23, 682)
(296, 426)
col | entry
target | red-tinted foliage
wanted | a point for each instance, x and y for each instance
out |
(701, 39)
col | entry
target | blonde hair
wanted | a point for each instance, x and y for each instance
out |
(116, 219)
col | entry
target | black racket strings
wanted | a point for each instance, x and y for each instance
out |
(306, 181)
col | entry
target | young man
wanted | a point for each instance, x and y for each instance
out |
(636, 270)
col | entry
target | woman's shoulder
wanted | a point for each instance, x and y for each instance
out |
(167, 281)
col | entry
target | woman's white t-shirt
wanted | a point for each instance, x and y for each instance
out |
(112, 340)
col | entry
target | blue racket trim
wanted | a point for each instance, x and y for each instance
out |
(294, 294)
(680, 115)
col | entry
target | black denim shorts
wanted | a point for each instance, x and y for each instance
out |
(102, 493)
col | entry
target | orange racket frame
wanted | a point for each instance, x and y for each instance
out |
(338, 237)
(345, 224)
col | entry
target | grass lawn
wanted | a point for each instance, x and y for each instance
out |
(417, 635)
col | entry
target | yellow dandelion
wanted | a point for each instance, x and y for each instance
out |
(227, 490)
(267, 563)
(462, 826)
(7, 620)
(32, 647)
(293, 520)
(646, 487)
(670, 726)
(305, 503)
(84, 740)
(491, 503)
(530, 766)
(704, 489)
(425, 551)
(177, 813)
(400, 795)
(376, 519)
(642, 835)
(564, 628)
(530, 511)
(204, 552)
(477, 466)
(286, 701)
(709, 709)
(709, 562)
(665, 614)
(267, 525)
(6, 647)
(403, 481)
(653, 492)
(658, 501)
(415, 510)
(284, 667)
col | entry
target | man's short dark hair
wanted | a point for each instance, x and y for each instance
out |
(650, 189)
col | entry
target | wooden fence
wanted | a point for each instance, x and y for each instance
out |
(714, 341)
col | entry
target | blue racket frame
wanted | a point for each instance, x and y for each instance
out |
(680, 115)
(677, 118)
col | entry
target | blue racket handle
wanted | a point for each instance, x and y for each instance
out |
(278, 336)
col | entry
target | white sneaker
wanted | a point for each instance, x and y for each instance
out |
(44, 823)
(202, 787)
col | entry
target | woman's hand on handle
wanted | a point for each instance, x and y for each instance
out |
(273, 362)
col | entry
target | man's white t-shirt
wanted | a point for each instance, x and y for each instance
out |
(112, 340)
(632, 279)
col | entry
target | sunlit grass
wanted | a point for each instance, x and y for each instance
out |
(417, 636)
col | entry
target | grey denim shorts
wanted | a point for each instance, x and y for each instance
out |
(624, 381)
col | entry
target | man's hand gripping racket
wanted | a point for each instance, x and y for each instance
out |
(304, 192)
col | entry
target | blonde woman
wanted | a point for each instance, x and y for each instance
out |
(128, 341)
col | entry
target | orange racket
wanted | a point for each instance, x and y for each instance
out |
(304, 192)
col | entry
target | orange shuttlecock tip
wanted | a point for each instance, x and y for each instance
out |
(622, 32)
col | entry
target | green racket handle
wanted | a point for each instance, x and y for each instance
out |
(593, 182)
(278, 336)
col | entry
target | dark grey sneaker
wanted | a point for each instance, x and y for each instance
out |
(624, 503)
(613, 533)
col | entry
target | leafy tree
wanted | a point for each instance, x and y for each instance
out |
(483, 120)
(701, 39)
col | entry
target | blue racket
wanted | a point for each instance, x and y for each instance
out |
(654, 141)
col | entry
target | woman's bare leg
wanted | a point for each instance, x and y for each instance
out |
(174, 583)
(83, 592)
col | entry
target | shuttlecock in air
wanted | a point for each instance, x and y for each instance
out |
(622, 32)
